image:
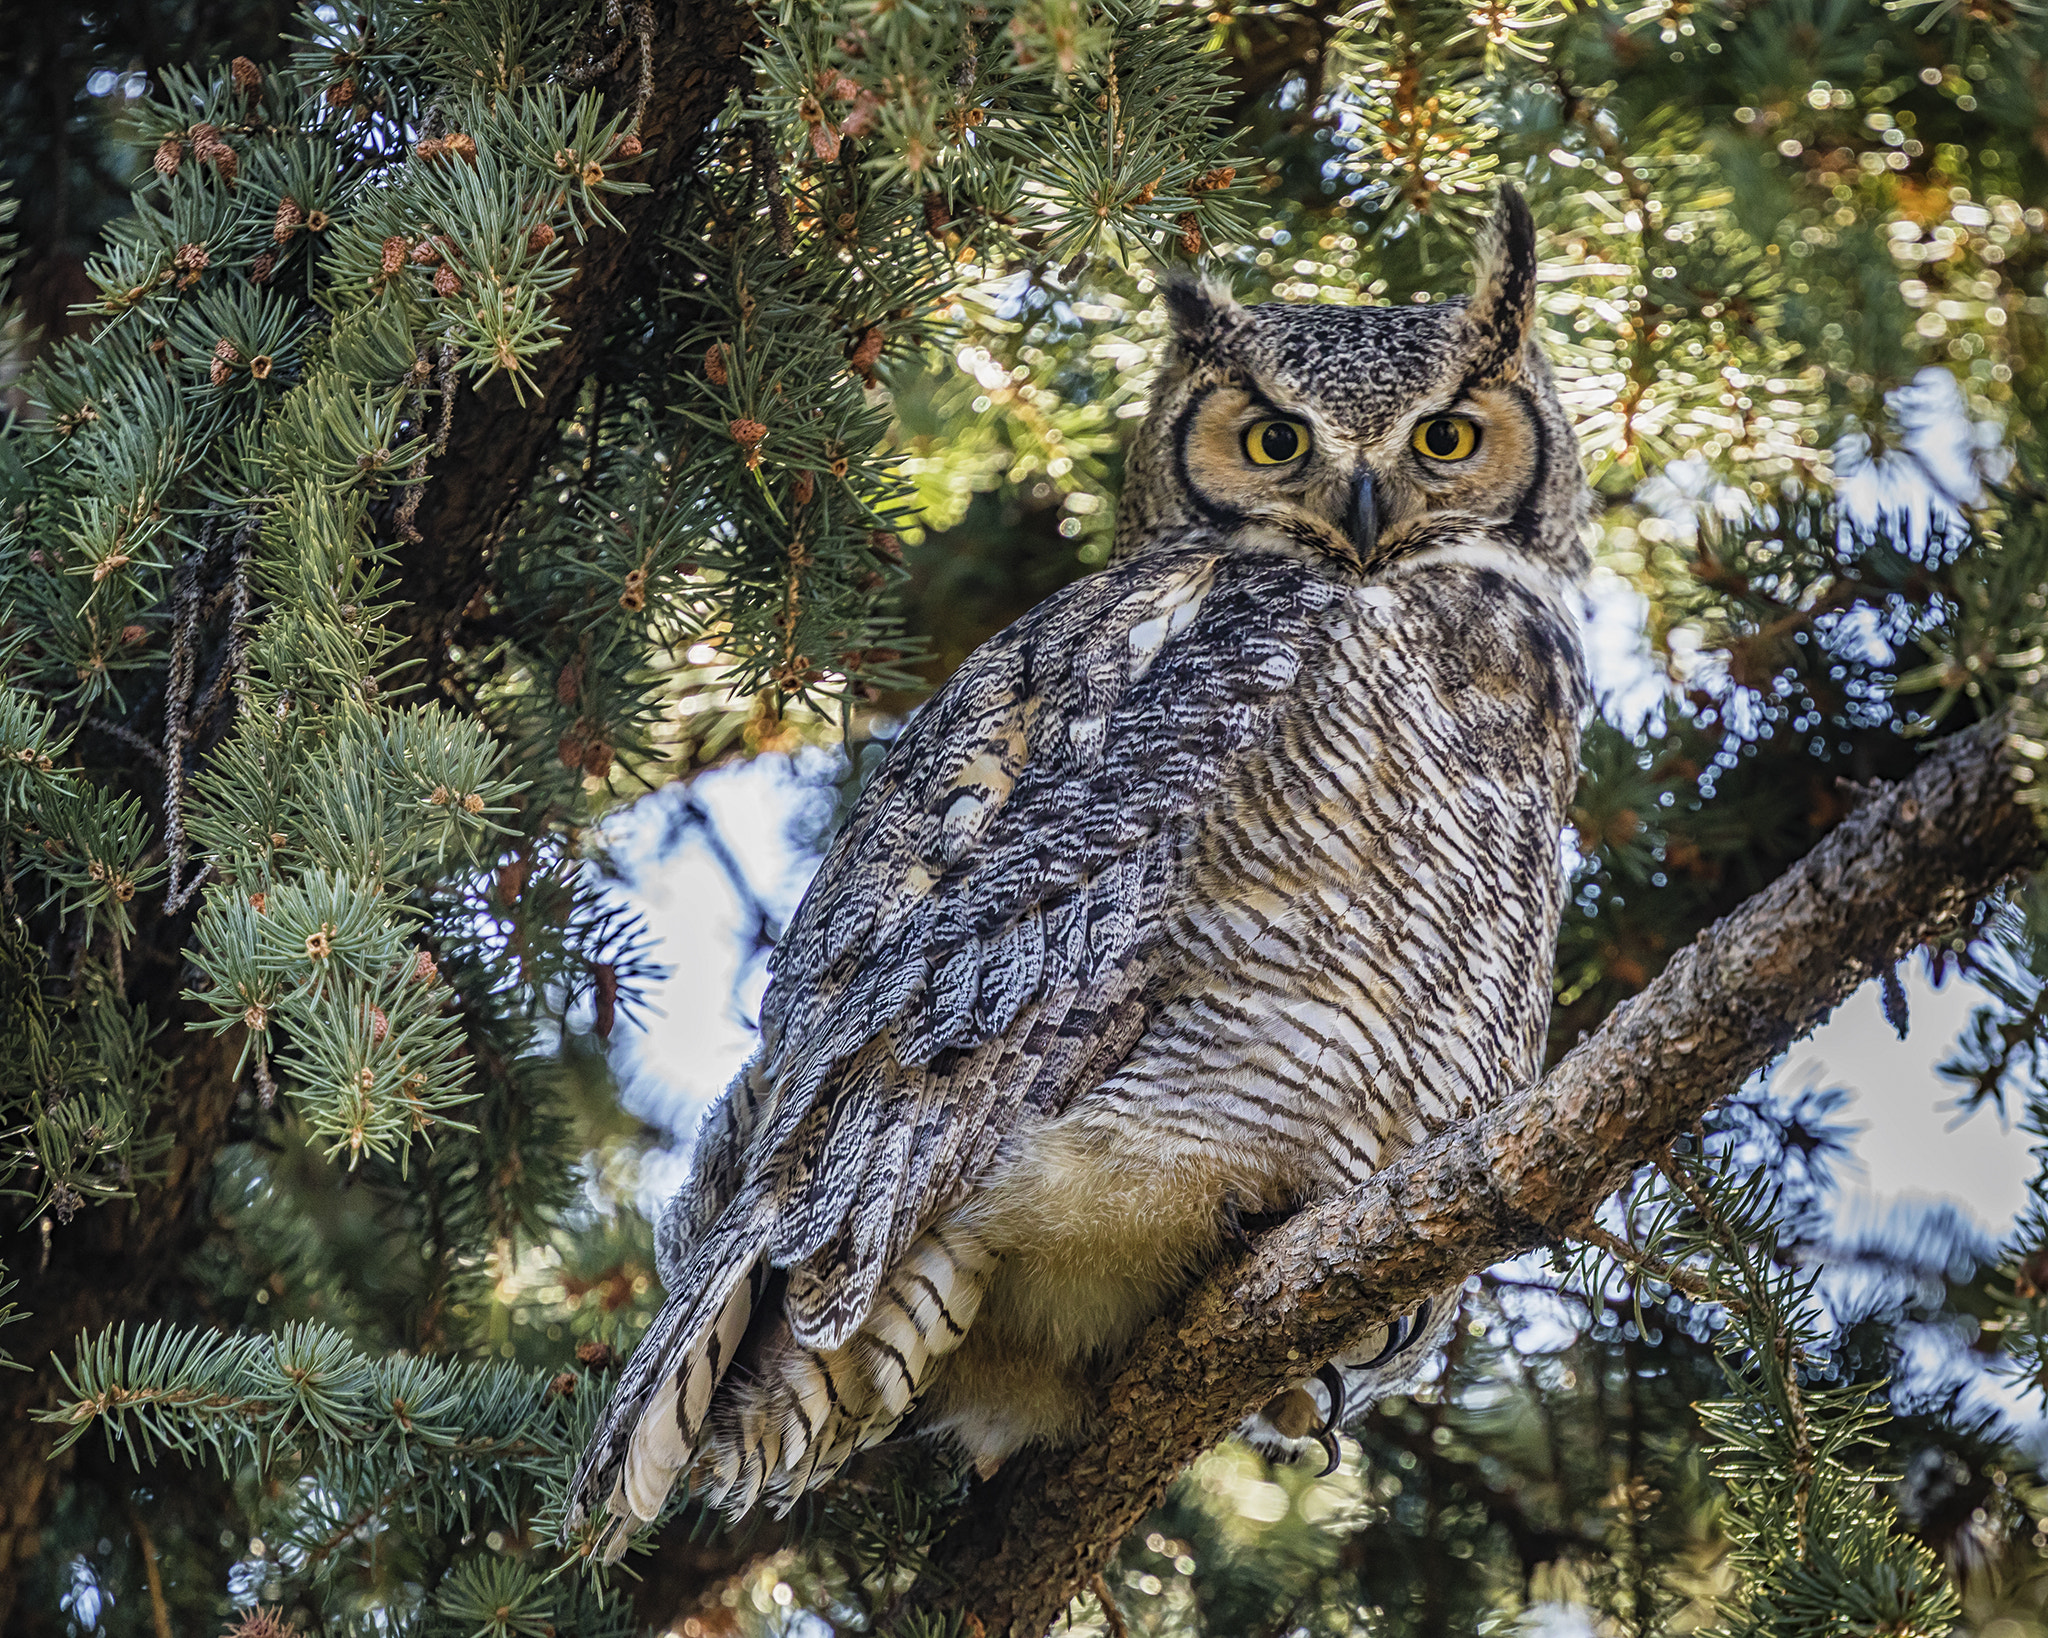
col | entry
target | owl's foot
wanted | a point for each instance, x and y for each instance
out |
(1240, 1227)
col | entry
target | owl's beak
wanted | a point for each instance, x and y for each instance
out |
(1362, 517)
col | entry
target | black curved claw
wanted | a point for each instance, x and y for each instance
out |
(1405, 1330)
(1333, 1379)
(1332, 1448)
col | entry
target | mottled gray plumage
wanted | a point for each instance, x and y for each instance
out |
(1208, 887)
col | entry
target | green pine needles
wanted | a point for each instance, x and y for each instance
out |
(308, 937)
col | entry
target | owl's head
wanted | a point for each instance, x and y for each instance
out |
(1358, 435)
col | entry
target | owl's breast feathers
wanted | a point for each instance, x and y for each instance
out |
(1009, 906)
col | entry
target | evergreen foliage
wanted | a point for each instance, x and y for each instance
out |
(863, 401)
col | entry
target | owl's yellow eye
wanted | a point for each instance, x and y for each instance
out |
(1446, 438)
(1275, 442)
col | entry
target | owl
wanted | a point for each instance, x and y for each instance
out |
(1202, 891)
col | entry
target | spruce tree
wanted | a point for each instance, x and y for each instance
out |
(481, 414)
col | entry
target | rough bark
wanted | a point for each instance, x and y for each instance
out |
(499, 443)
(1908, 865)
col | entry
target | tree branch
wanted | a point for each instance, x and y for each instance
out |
(1908, 865)
(498, 442)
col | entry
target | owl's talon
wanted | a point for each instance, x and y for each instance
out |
(1240, 1226)
(1333, 1450)
(1235, 1239)
(1333, 1380)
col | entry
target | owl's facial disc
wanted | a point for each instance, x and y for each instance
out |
(1288, 477)
(1271, 473)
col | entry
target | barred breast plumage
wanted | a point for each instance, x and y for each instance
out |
(1203, 890)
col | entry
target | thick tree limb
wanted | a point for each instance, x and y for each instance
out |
(1908, 865)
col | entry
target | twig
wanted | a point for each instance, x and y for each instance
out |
(444, 383)
(159, 1611)
(1110, 1613)
(127, 736)
(1672, 1274)
(177, 697)
(1781, 1346)
(415, 474)
(761, 150)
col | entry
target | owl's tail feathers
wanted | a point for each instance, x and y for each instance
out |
(651, 1432)
(804, 1412)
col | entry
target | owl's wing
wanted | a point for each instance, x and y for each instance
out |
(976, 947)
(976, 942)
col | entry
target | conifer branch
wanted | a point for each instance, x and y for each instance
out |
(1907, 866)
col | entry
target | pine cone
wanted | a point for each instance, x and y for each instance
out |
(190, 260)
(540, 238)
(445, 282)
(629, 146)
(867, 350)
(396, 249)
(1190, 232)
(262, 267)
(747, 433)
(246, 75)
(340, 96)
(289, 219)
(714, 365)
(429, 149)
(462, 145)
(170, 153)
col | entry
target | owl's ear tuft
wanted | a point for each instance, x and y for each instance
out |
(1203, 314)
(1502, 311)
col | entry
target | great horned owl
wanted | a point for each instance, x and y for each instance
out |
(1205, 889)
